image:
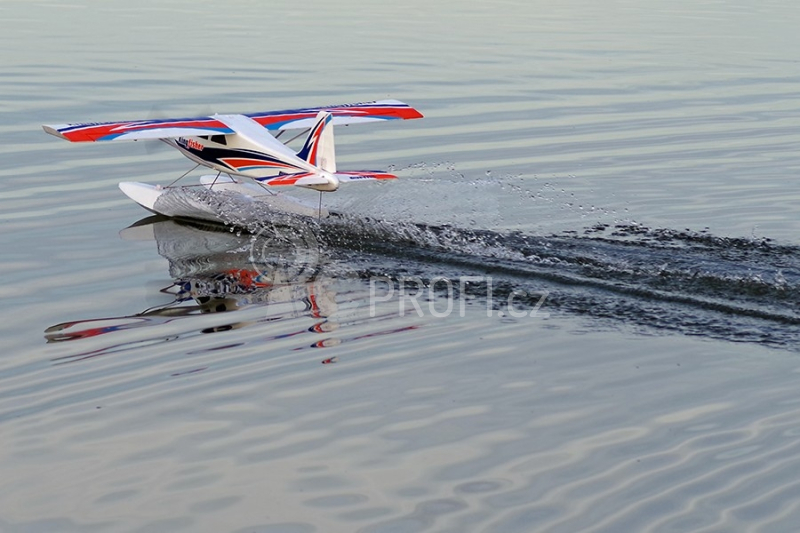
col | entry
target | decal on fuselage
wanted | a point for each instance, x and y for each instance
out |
(190, 144)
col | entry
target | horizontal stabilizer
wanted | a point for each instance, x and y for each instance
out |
(310, 179)
(363, 175)
(285, 179)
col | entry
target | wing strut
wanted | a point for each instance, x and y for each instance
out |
(182, 176)
(298, 135)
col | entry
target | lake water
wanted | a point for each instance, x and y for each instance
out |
(624, 173)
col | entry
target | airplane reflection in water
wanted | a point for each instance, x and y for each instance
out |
(277, 273)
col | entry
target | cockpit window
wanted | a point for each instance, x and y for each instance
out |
(219, 139)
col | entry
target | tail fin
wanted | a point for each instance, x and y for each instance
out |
(318, 148)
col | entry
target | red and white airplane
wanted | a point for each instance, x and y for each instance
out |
(246, 156)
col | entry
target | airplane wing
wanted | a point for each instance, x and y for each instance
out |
(192, 127)
(139, 129)
(342, 114)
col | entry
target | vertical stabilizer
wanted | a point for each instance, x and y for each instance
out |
(318, 148)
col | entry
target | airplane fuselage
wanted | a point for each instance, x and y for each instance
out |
(231, 155)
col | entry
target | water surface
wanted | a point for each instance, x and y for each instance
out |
(633, 162)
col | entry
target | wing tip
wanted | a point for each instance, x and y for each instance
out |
(407, 111)
(53, 130)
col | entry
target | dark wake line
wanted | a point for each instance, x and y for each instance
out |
(694, 283)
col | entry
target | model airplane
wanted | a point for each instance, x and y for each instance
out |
(246, 156)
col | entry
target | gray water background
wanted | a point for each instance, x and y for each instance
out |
(541, 117)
